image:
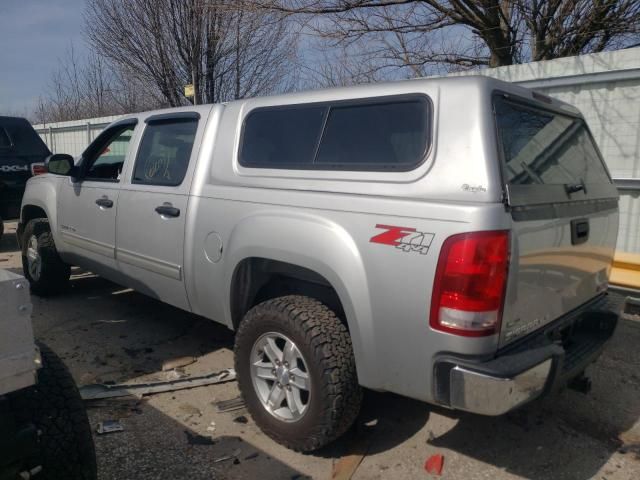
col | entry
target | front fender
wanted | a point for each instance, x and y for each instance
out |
(321, 246)
(41, 192)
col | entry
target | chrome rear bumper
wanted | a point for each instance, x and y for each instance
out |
(522, 372)
(487, 395)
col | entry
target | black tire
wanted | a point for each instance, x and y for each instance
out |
(325, 344)
(54, 406)
(54, 273)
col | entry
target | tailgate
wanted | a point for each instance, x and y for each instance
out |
(564, 209)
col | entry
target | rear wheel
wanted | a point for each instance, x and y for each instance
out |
(42, 266)
(296, 372)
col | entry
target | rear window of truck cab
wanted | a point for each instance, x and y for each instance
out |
(387, 133)
(544, 152)
(545, 147)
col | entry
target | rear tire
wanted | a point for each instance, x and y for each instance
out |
(54, 406)
(325, 360)
(42, 266)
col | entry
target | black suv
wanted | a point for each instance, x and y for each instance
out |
(22, 155)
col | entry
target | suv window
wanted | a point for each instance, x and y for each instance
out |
(164, 153)
(108, 161)
(376, 134)
(5, 142)
(545, 147)
(22, 138)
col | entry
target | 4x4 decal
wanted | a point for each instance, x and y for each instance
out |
(13, 168)
(405, 238)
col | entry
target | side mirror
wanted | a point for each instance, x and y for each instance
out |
(60, 164)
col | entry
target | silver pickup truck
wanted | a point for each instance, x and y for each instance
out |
(449, 240)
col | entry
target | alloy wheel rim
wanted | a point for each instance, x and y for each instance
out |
(34, 260)
(280, 377)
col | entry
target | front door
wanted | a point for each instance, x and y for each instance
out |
(87, 206)
(153, 207)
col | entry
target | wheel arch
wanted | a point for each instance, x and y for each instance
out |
(28, 213)
(319, 256)
(256, 279)
(39, 201)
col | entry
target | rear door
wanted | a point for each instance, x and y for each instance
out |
(564, 208)
(153, 207)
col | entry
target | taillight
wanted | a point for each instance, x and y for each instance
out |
(38, 169)
(470, 283)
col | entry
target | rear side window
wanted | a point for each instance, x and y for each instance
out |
(164, 153)
(282, 137)
(380, 134)
(545, 147)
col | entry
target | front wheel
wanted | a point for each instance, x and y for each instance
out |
(42, 266)
(296, 372)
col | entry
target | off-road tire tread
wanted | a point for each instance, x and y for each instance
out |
(332, 349)
(54, 405)
(55, 274)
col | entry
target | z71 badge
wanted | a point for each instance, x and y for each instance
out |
(405, 238)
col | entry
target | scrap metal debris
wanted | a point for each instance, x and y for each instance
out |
(109, 426)
(434, 464)
(175, 374)
(230, 405)
(91, 392)
(177, 363)
(234, 456)
(123, 407)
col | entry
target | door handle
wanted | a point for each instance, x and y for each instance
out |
(168, 211)
(104, 202)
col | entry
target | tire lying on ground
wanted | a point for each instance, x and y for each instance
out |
(296, 372)
(43, 267)
(65, 446)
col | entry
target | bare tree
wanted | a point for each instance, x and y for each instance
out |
(84, 87)
(420, 35)
(224, 49)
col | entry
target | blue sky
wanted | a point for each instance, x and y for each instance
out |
(34, 36)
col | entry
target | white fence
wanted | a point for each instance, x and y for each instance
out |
(604, 86)
(72, 137)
